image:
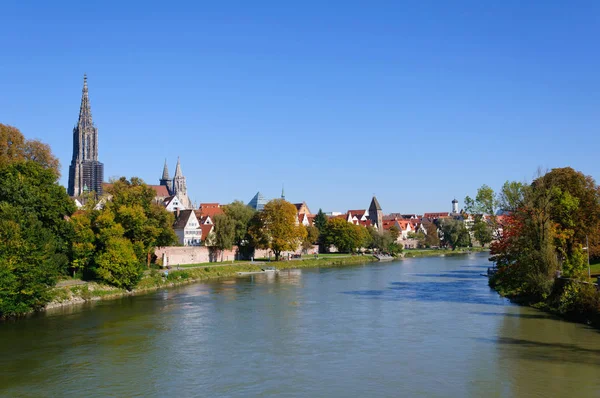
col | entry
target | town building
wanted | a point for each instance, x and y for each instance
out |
(187, 228)
(85, 172)
(258, 202)
(176, 186)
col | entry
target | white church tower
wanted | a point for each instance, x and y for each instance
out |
(455, 206)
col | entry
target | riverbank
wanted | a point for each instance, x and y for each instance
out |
(92, 291)
(410, 253)
(571, 300)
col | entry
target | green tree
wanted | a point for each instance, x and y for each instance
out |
(320, 222)
(146, 224)
(484, 203)
(28, 267)
(345, 236)
(482, 231)
(455, 233)
(225, 229)
(312, 237)
(276, 227)
(241, 214)
(511, 196)
(432, 238)
(117, 263)
(394, 232)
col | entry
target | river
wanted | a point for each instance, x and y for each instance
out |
(417, 327)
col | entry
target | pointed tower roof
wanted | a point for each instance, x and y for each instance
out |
(178, 172)
(165, 174)
(85, 111)
(258, 202)
(374, 204)
(282, 192)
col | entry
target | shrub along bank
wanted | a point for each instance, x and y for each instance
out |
(157, 280)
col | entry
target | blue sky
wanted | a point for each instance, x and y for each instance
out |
(416, 101)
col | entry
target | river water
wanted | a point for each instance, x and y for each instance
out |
(417, 327)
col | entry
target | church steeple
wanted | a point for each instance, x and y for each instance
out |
(85, 169)
(165, 175)
(178, 172)
(282, 192)
(180, 186)
(85, 111)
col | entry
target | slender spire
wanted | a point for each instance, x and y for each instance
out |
(282, 192)
(178, 172)
(85, 112)
(165, 175)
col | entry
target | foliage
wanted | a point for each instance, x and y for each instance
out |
(34, 233)
(455, 233)
(117, 263)
(145, 223)
(312, 237)
(394, 232)
(111, 244)
(345, 236)
(225, 230)
(15, 148)
(276, 227)
(432, 238)
(511, 196)
(484, 203)
(241, 214)
(28, 267)
(482, 231)
(320, 222)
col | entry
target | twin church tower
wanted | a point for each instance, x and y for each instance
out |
(86, 173)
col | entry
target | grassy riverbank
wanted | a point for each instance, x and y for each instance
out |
(190, 273)
(409, 253)
(80, 293)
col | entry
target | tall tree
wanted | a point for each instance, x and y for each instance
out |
(511, 196)
(482, 231)
(312, 237)
(15, 148)
(225, 230)
(241, 214)
(455, 233)
(432, 237)
(345, 236)
(276, 227)
(484, 203)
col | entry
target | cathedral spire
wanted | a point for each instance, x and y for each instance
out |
(282, 192)
(85, 112)
(165, 175)
(178, 172)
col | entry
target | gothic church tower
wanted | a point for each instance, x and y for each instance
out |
(85, 172)
(166, 180)
(376, 215)
(180, 187)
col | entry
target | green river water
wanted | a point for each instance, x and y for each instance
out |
(427, 327)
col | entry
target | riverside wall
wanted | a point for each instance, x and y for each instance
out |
(173, 255)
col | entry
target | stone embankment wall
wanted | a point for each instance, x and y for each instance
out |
(201, 254)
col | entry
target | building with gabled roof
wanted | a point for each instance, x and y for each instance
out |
(187, 228)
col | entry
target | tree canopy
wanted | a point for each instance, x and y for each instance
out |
(276, 227)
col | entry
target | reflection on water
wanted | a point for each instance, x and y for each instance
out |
(417, 327)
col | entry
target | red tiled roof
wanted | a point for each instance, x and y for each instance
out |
(437, 215)
(160, 190)
(211, 212)
(206, 228)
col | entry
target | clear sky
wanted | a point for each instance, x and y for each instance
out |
(416, 101)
